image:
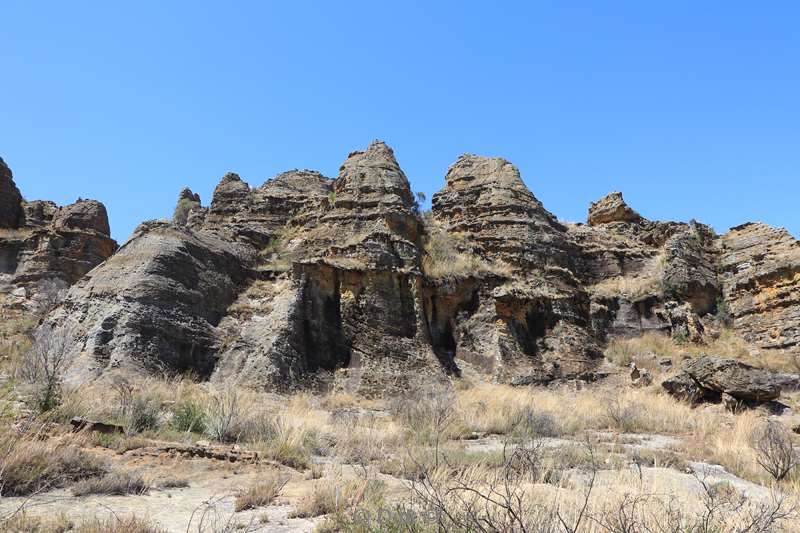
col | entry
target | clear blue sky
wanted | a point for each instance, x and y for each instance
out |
(692, 109)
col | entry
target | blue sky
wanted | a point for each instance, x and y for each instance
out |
(692, 109)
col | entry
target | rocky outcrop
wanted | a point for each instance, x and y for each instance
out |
(188, 202)
(11, 213)
(528, 319)
(40, 241)
(611, 208)
(760, 272)
(153, 306)
(350, 296)
(715, 378)
(307, 279)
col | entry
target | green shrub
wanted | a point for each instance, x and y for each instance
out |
(189, 416)
(143, 414)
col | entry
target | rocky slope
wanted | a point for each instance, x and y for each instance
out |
(305, 276)
(42, 242)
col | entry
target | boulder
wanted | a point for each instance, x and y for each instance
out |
(611, 208)
(734, 378)
(714, 378)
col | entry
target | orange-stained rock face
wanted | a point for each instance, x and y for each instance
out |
(760, 271)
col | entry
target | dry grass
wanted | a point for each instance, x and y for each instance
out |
(644, 283)
(447, 258)
(112, 484)
(648, 349)
(28, 466)
(260, 494)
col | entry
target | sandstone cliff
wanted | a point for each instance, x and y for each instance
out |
(42, 242)
(282, 285)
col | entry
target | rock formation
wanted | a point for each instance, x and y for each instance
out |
(611, 208)
(306, 278)
(11, 213)
(759, 268)
(719, 379)
(40, 241)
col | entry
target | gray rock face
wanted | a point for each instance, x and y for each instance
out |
(188, 202)
(690, 271)
(11, 213)
(83, 215)
(153, 305)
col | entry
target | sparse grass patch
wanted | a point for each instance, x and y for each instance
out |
(447, 257)
(112, 484)
(260, 494)
(31, 466)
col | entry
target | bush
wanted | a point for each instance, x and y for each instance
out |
(775, 451)
(137, 411)
(224, 420)
(189, 416)
(529, 423)
(44, 364)
(262, 493)
(113, 484)
(144, 414)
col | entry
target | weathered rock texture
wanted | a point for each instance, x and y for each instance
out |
(11, 214)
(528, 320)
(760, 272)
(306, 278)
(715, 379)
(611, 208)
(40, 241)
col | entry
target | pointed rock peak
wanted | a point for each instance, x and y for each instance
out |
(187, 194)
(187, 201)
(11, 212)
(474, 170)
(230, 183)
(377, 153)
(375, 173)
(230, 177)
(611, 208)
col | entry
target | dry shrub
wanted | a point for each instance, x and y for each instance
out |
(364, 439)
(29, 466)
(224, 415)
(334, 497)
(324, 498)
(260, 494)
(775, 449)
(429, 412)
(496, 409)
(112, 484)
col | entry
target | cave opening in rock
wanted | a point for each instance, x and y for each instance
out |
(326, 347)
